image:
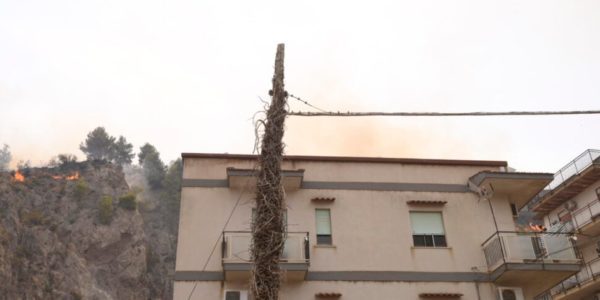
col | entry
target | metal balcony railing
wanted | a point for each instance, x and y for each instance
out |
(528, 247)
(236, 247)
(589, 272)
(574, 167)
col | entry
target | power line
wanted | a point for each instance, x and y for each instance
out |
(441, 114)
(306, 102)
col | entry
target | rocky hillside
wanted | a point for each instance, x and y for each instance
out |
(81, 232)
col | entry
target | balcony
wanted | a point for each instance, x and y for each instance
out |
(579, 286)
(237, 262)
(537, 260)
(240, 178)
(520, 187)
(569, 181)
(586, 220)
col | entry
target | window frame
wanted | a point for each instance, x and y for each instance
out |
(243, 294)
(429, 240)
(323, 239)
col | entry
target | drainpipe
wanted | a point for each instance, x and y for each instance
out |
(475, 269)
(489, 200)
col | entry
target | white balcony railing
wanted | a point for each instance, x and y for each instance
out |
(574, 167)
(586, 214)
(236, 247)
(589, 273)
(528, 247)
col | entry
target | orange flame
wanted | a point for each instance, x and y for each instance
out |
(537, 228)
(75, 176)
(19, 176)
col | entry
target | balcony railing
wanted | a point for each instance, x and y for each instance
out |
(589, 273)
(586, 214)
(574, 167)
(236, 247)
(528, 247)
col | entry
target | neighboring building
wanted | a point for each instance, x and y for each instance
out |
(571, 203)
(370, 228)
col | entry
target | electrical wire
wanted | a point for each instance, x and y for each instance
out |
(441, 114)
(306, 102)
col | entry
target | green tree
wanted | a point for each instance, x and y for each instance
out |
(66, 161)
(5, 157)
(122, 152)
(172, 184)
(154, 170)
(98, 145)
(145, 151)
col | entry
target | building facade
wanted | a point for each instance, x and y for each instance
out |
(361, 228)
(571, 204)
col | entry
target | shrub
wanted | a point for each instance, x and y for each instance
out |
(5, 237)
(76, 295)
(34, 217)
(66, 161)
(105, 208)
(127, 201)
(81, 189)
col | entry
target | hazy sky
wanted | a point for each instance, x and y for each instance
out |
(186, 76)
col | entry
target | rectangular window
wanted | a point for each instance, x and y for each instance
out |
(323, 217)
(514, 210)
(233, 295)
(237, 295)
(428, 229)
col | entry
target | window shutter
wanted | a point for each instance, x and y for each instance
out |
(323, 221)
(427, 223)
(232, 295)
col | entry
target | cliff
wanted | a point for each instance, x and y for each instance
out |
(81, 232)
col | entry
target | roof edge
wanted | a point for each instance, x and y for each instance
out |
(478, 178)
(416, 161)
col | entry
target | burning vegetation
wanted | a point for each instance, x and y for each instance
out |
(65, 210)
(73, 176)
(18, 176)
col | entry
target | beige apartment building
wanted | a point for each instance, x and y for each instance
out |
(370, 228)
(571, 203)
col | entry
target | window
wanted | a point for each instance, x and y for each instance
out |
(509, 295)
(233, 295)
(323, 217)
(513, 209)
(237, 295)
(428, 229)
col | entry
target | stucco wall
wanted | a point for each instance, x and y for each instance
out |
(371, 229)
(349, 290)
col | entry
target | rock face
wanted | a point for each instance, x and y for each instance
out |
(63, 237)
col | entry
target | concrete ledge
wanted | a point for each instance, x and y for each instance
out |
(397, 276)
(220, 183)
(248, 267)
(385, 186)
(198, 276)
(478, 178)
(340, 185)
(561, 267)
(389, 276)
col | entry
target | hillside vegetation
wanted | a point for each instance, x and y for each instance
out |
(80, 231)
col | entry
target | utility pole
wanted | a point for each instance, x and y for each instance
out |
(268, 230)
